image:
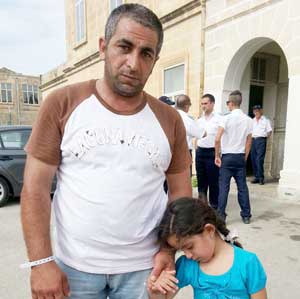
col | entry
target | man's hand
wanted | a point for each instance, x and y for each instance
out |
(218, 161)
(166, 281)
(163, 260)
(48, 281)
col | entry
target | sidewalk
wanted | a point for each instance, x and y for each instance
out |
(274, 235)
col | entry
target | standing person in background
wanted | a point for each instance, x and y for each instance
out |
(193, 129)
(261, 131)
(111, 146)
(166, 100)
(233, 141)
(206, 169)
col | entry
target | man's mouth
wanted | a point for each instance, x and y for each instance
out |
(129, 77)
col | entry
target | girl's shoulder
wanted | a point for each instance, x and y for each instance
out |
(187, 270)
(183, 261)
(244, 256)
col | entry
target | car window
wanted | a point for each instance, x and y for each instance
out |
(15, 139)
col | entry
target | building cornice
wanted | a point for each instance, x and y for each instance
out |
(240, 14)
(180, 14)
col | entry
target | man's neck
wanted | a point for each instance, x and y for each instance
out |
(117, 102)
(207, 114)
(258, 117)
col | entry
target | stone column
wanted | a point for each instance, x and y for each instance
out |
(289, 183)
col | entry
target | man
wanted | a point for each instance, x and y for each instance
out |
(111, 146)
(193, 129)
(235, 133)
(207, 171)
(261, 131)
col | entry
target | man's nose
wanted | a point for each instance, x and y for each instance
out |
(133, 61)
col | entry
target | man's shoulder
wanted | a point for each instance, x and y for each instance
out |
(79, 89)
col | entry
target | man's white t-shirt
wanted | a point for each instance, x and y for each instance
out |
(193, 129)
(237, 126)
(261, 127)
(109, 197)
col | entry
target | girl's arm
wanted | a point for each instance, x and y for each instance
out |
(166, 282)
(262, 294)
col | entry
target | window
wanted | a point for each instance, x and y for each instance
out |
(174, 81)
(114, 4)
(80, 21)
(30, 94)
(258, 69)
(15, 139)
(6, 94)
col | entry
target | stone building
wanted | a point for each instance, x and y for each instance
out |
(19, 98)
(212, 46)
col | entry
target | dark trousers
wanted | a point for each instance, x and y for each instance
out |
(233, 165)
(258, 152)
(207, 174)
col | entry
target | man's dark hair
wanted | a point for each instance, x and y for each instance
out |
(182, 100)
(235, 97)
(137, 13)
(210, 97)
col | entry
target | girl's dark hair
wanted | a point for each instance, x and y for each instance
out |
(187, 217)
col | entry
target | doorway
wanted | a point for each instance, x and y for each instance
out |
(255, 98)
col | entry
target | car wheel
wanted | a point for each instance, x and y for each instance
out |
(4, 192)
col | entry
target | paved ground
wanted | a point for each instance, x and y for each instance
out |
(274, 235)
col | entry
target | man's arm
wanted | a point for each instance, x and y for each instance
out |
(218, 146)
(179, 184)
(194, 129)
(46, 279)
(248, 146)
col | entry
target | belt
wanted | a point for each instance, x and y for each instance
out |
(259, 137)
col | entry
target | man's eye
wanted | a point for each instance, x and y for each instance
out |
(147, 55)
(124, 48)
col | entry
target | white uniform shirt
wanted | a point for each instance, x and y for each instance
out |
(261, 127)
(211, 125)
(237, 126)
(193, 129)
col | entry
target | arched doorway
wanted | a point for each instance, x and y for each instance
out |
(259, 69)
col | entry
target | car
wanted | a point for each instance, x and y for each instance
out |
(12, 160)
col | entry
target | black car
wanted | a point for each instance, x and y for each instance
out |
(12, 160)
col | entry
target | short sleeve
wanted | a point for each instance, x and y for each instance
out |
(256, 276)
(269, 127)
(182, 271)
(223, 121)
(250, 126)
(45, 139)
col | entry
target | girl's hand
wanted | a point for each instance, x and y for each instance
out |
(166, 282)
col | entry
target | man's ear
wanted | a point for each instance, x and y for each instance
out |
(102, 48)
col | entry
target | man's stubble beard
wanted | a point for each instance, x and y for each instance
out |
(119, 88)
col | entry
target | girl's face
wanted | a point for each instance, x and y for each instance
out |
(200, 247)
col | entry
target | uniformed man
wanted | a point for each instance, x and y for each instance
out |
(261, 131)
(235, 133)
(206, 169)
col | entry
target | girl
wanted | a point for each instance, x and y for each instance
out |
(214, 264)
